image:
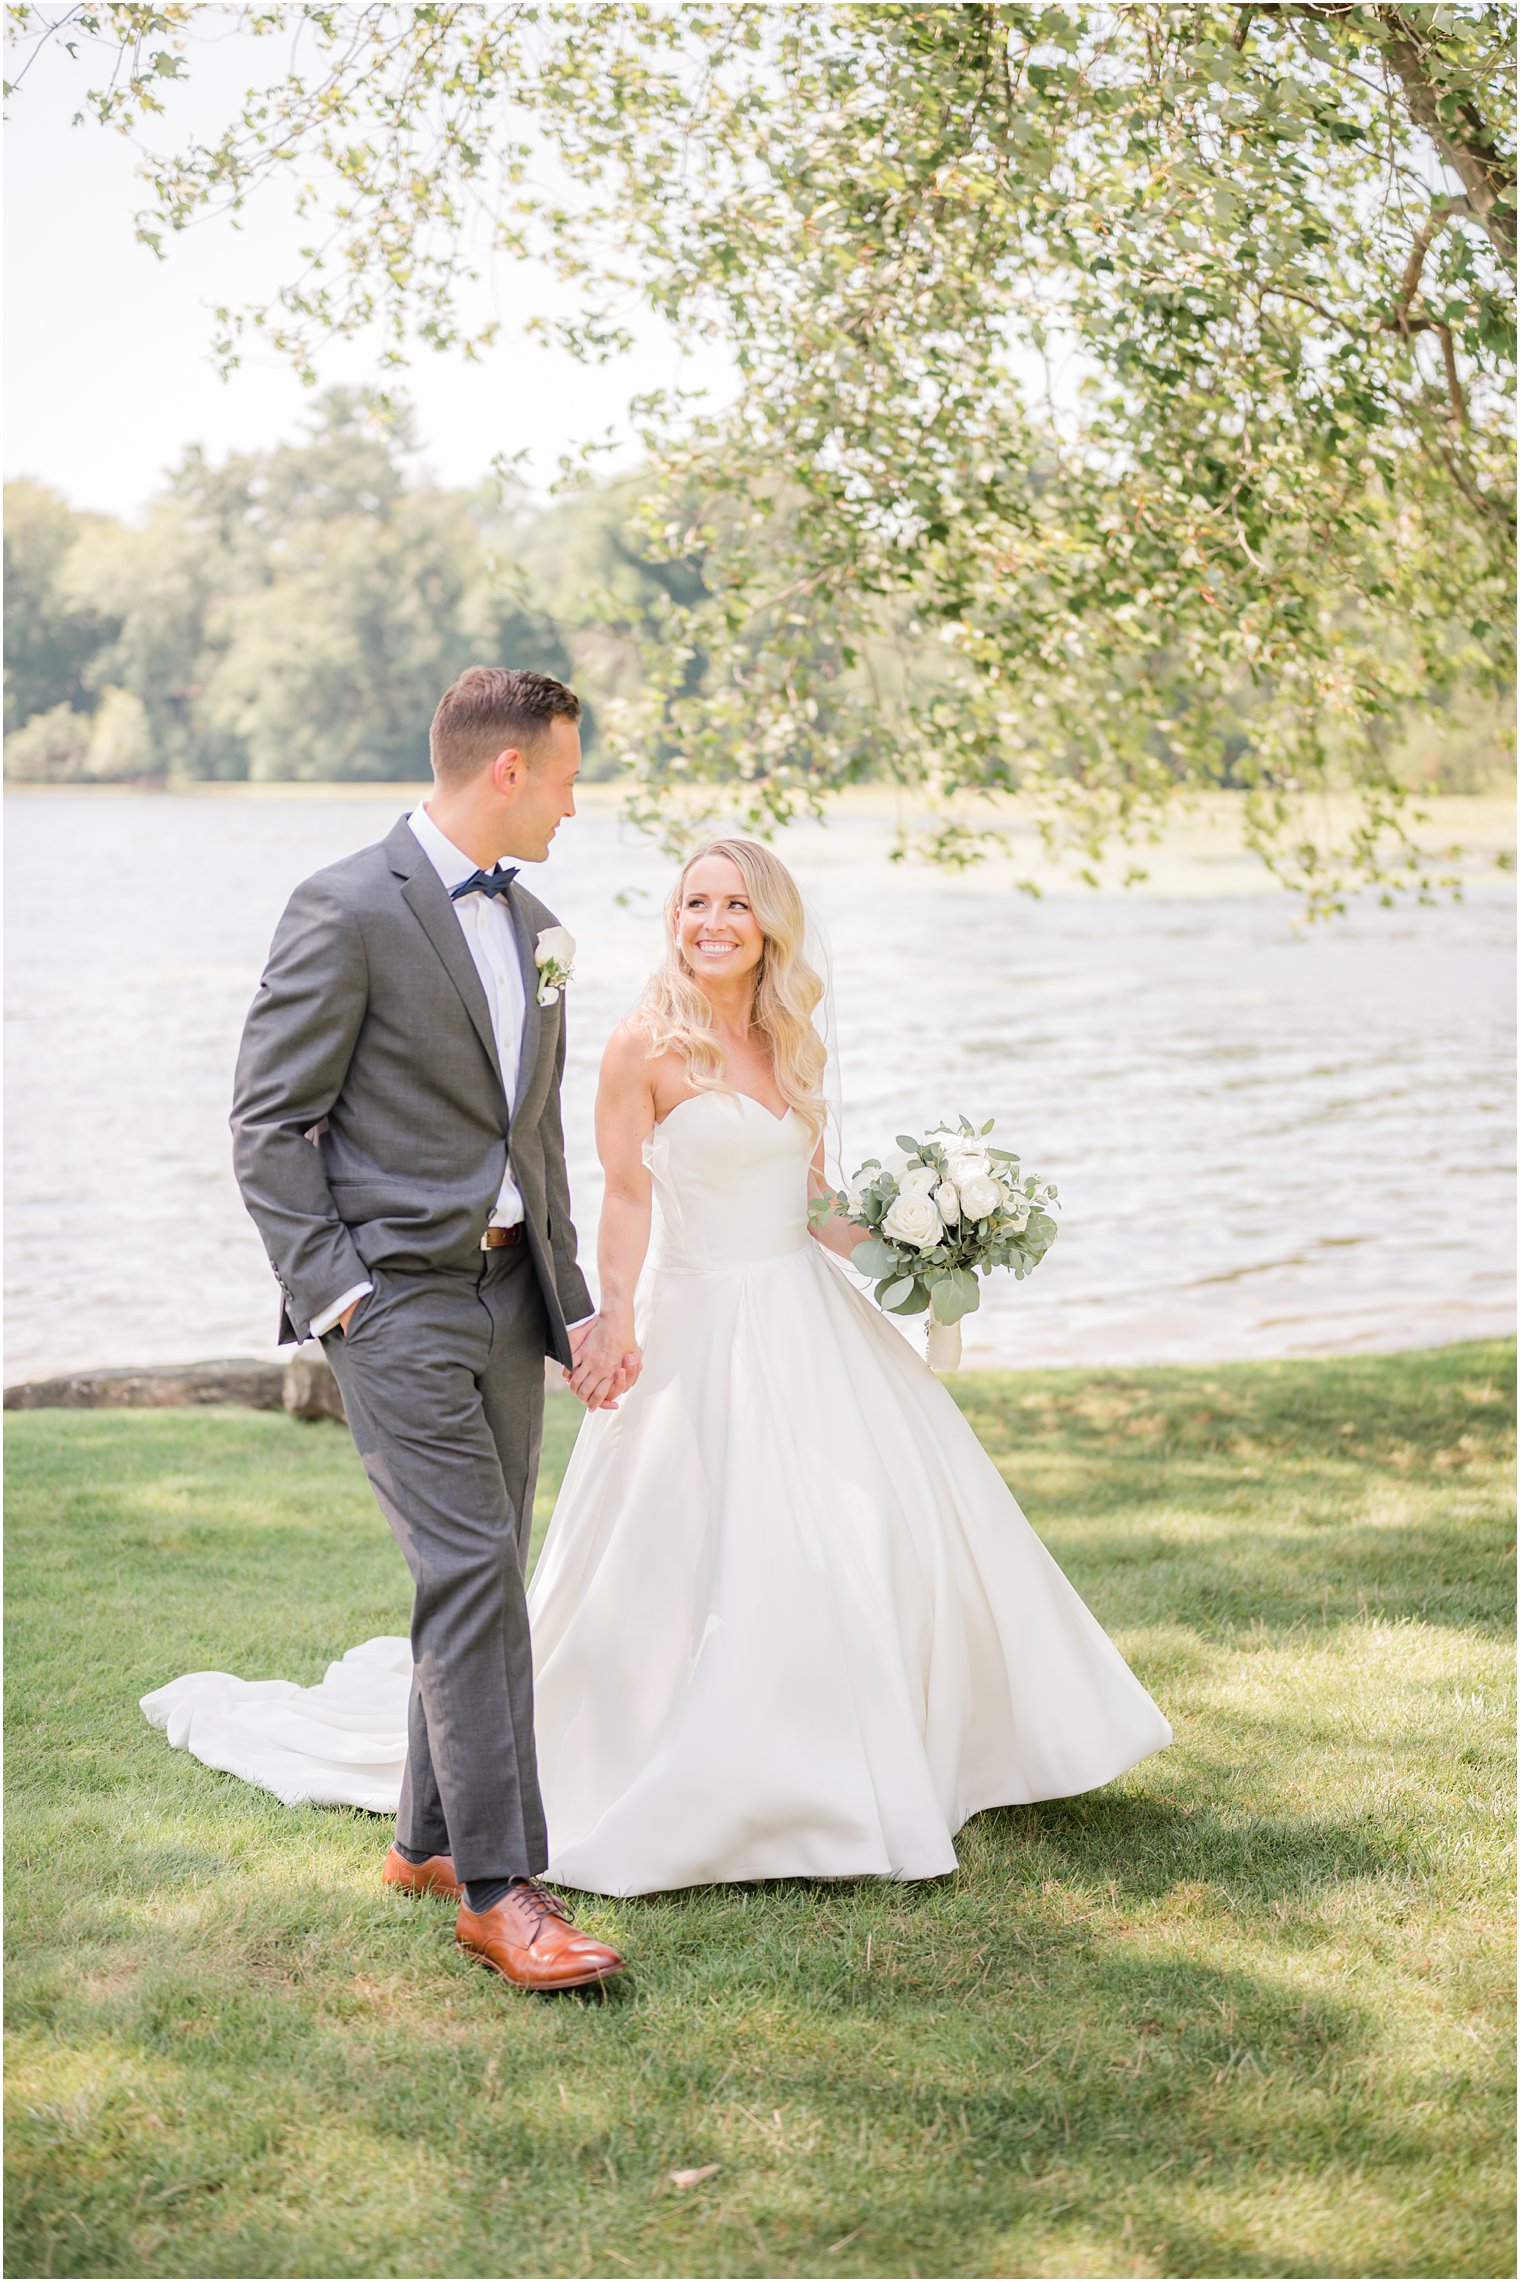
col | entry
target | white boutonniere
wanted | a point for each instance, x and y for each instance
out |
(554, 956)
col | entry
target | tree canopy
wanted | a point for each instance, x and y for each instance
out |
(1124, 393)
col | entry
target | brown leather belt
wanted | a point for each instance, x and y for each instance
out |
(496, 1239)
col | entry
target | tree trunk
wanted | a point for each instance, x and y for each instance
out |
(1464, 141)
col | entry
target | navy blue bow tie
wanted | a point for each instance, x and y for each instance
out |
(483, 883)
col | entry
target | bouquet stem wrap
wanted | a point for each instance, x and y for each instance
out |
(943, 1345)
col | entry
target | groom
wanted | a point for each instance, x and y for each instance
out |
(397, 1140)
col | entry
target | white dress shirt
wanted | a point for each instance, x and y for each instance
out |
(487, 928)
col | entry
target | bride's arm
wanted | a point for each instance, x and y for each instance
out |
(836, 1234)
(624, 1121)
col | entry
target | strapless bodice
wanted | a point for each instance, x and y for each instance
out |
(730, 1184)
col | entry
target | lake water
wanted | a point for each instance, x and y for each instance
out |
(1268, 1141)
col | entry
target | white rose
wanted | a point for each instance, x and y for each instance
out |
(918, 1180)
(980, 1196)
(947, 1204)
(913, 1220)
(962, 1165)
(556, 944)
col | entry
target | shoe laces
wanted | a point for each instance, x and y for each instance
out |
(542, 1904)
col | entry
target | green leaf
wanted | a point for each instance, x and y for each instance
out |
(874, 1258)
(916, 1301)
(889, 1294)
(955, 1294)
(946, 1301)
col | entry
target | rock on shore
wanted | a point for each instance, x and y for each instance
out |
(304, 1386)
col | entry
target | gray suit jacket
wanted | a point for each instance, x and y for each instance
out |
(371, 1037)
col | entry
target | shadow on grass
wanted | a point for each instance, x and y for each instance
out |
(1291, 1497)
(1431, 1408)
(1025, 2081)
(983, 2069)
(1304, 1578)
(1142, 1848)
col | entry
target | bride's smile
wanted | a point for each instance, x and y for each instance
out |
(718, 935)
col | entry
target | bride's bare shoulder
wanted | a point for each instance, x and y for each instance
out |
(628, 1048)
(630, 1058)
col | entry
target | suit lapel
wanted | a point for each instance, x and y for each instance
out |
(533, 1013)
(435, 914)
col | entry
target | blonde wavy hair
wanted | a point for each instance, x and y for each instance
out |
(677, 1016)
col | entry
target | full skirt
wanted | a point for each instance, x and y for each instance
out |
(789, 1621)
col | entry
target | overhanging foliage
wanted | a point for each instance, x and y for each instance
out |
(1125, 392)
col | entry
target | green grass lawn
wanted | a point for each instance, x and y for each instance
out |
(1244, 2013)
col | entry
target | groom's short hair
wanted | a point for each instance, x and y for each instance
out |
(490, 708)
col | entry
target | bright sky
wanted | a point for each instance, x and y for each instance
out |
(107, 368)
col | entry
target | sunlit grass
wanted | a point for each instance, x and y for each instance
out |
(1242, 2013)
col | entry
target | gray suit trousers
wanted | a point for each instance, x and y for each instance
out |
(442, 1375)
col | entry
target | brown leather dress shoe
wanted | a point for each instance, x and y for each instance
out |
(435, 1876)
(528, 1938)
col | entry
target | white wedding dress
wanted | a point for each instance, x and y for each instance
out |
(788, 1621)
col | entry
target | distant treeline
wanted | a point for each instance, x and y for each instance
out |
(294, 615)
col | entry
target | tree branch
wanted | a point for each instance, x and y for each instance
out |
(1499, 508)
(1409, 326)
(1440, 214)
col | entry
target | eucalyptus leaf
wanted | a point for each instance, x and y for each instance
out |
(874, 1258)
(948, 1304)
(916, 1301)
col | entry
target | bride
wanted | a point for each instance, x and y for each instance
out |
(788, 1620)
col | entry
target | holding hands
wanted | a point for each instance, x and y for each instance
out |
(607, 1360)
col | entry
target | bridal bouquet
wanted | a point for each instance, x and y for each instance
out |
(939, 1211)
